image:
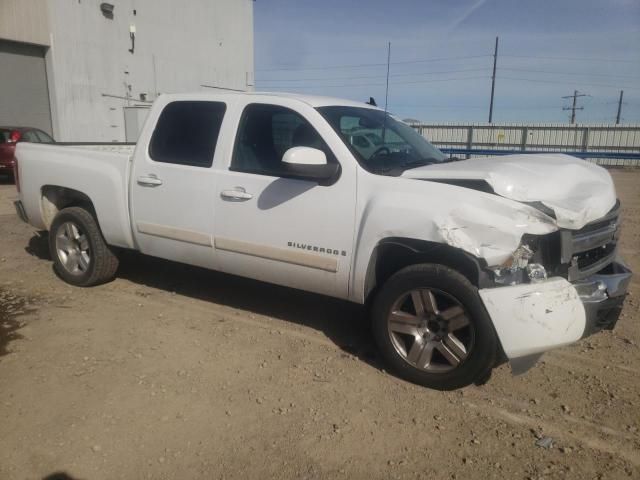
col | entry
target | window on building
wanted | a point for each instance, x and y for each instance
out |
(187, 133)
(266, 132)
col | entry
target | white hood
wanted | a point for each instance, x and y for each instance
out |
(577, 191)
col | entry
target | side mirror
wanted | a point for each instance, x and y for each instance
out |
(306, 163)
(304, 156)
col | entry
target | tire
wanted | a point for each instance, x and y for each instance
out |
(80, 254)
(432, 329)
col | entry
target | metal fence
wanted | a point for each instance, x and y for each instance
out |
(605, 144)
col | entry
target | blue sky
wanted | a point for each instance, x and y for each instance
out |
(441, 55)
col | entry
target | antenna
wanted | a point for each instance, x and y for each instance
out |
(386, 93)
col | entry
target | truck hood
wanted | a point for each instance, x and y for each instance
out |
(578, 192)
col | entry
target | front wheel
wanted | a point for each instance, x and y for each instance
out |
(80, 254)
(432, 328)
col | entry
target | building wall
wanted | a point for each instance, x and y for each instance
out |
(24, 21)
(178, 47)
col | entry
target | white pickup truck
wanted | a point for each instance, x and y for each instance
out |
(463, 264)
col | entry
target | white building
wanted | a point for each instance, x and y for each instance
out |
(70, 67)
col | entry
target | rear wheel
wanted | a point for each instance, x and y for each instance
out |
(432, 329)
(80, 254)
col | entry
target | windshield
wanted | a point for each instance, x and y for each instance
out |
(381, 143)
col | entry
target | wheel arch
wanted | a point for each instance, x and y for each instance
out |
(395, 253)
(54, 198)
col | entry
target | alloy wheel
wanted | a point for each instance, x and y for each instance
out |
(430, 330)
(72, 248)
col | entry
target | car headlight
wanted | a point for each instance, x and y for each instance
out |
(517, 268)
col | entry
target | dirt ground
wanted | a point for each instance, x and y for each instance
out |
(176, 372)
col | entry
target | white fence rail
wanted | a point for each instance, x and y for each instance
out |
(540, 137)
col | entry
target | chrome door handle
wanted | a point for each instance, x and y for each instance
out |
(149, 181)
(238, 194)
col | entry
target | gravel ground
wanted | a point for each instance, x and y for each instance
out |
(176, 372)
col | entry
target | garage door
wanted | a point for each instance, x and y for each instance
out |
(24, 95)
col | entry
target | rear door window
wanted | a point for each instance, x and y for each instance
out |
(43, 137)
(187, 133)
(29, 136)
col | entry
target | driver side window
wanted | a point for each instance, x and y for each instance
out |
(266, 132)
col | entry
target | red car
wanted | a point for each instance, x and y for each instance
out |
(9, 136)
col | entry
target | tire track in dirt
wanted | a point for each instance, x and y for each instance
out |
(552, 429)
(559, 427)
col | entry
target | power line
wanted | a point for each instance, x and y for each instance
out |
(407, 105)
(631, 77)
(381, 84)
(408, 74)
(577, 59)
(569, 83)
(362, 65)
(511, 107)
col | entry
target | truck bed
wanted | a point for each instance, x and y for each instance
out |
(99, 171)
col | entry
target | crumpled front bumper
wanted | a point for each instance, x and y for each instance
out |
(603, 295)
(532, 318)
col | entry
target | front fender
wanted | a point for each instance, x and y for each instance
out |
(486, 226)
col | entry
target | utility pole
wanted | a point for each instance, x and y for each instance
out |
(573, 107)
(493, 81)
(619, 107)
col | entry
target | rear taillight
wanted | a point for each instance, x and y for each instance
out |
(15, 136)
(16, 176)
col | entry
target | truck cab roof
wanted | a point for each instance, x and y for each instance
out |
(312, 100)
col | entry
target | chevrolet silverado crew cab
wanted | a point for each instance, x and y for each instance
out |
(463, 264)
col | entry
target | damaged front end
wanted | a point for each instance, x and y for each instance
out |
(551, 273)
(557, 288)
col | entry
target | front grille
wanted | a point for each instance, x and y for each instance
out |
(591, 257)
(591, 248)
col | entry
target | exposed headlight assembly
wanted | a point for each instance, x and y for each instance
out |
(517, 269)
